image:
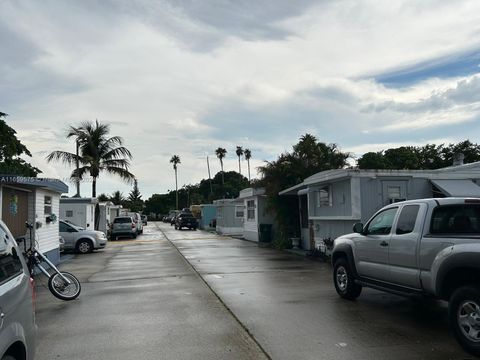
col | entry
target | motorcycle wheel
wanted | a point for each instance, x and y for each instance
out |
(60, 289)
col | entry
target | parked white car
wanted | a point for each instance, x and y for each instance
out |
(137, 219)
(81, 240)
(17, 302)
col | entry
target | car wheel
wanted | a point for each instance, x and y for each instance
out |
(344, 280)
(134, 236)
(84, 246)
(464, 317)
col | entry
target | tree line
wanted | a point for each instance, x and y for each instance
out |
(97, 152)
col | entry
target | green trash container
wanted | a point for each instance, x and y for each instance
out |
(265, 233)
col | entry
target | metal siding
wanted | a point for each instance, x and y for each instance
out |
(371, 197)
(208, 213)
(332, 228)
(341, 200)
(48, 234)
(420, 189)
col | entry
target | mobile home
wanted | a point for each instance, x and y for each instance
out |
(330, 202)
(230, 213)
(255, 212)
(35, 200)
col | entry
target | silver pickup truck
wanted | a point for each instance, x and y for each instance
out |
(425, 247)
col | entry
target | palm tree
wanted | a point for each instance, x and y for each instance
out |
(97, 153)
(239, 153)
(221, 152)
(175, 160)
(117, 198)
(248, 156)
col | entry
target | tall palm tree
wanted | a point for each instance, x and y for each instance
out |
(97, 153)
(248, 156)
(221, 152)
(239, 153)
(175, 160)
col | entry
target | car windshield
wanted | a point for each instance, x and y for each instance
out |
(77, 227)
(122, 220)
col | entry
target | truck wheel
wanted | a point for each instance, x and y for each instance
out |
(344, 280)
(464, 317)
(84, 246)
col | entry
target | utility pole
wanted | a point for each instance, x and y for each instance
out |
(209, 177)
(77, 177)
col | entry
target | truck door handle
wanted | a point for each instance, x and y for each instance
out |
(383, 243)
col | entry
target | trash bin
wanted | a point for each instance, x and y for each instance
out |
(265, 235)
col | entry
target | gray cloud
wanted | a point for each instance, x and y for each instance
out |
(203, 26)
(249, 20)
(466, 91)
(22, 78)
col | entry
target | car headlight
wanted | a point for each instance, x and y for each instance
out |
(99, 235)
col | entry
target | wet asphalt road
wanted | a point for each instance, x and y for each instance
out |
(194, 295)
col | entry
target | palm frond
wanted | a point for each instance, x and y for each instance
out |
(110, 143)
(126, 175)
(121, 163)
(82, 171)
(64, 156)
(117, 153)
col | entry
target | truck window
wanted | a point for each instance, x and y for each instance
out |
(10, 264)
(382, 223)
(407, 219)
(456, 219)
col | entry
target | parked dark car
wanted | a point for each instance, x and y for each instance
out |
(186, 220)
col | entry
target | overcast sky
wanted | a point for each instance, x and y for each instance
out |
(185, 77)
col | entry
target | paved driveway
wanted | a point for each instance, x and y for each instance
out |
(194, 295)
(289, 304)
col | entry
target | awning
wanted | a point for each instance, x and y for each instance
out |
(32, 182)
(465, 188)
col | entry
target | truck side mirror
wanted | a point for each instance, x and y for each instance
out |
(358, 228)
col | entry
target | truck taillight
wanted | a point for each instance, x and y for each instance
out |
(133, 225)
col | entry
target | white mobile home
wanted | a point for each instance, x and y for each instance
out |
(230, 214)
(83, 212)
(254, 203)
(332, 201)
(106, 210)
(35, 200)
